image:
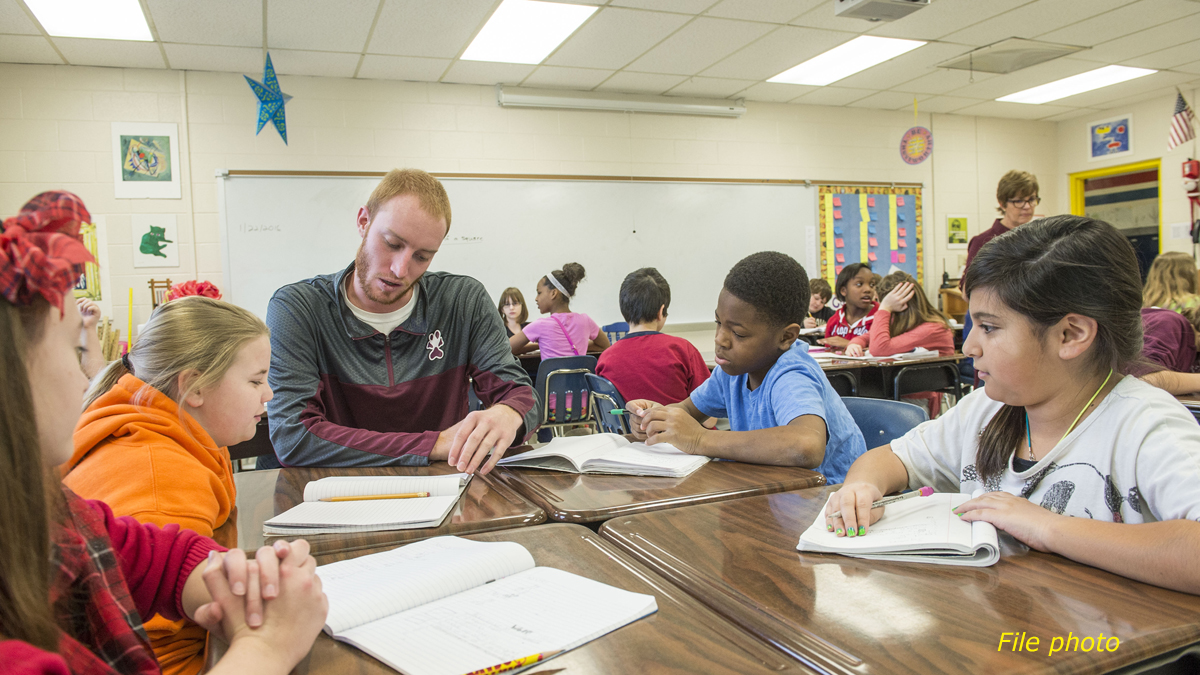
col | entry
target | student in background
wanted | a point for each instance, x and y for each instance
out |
(875, 279)
(781, 408)
(646, 364)
(850, 327)
(818, 313)
(74, 577)
(563, 333)
(513, 310)
(1171, 283)
(1072, 457)
(93, 361)
(152, 441)
(905, 321)
(1168, 351)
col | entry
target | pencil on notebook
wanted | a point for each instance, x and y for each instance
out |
(515, 663)
(406, 495)
(923, 492)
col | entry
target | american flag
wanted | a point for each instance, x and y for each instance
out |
(1181, 123)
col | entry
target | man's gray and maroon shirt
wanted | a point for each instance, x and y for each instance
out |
(348, 395)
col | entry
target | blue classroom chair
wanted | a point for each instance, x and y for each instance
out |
(564, 392)
(605, 397)
(615, 331)
(882, 421)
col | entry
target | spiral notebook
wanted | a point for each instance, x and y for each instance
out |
(449, 606)
(608, 453)
(313, 516)
(922, 529)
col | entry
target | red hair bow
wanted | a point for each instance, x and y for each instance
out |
(40, 249)
(186, 288)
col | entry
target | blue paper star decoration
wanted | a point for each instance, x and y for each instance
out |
(270, 100)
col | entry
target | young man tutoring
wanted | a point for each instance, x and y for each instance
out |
(371, 365)
(781, 408)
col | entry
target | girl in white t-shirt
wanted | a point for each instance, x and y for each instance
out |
(563, 333)
(1072, 456)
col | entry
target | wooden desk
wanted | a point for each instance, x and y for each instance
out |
(484, 506)
(1192, 403)
(860, 616)
(594, 498)
(681, 637)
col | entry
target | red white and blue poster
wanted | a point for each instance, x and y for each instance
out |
(1110, 138)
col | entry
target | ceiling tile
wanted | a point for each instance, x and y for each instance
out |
(1033, 76)
(698, 45)
(321, 64)
(208, 22)
(27, 49)
(946, 104)
(113, 53)
(14, 20)
(1072, 114)
(833, 96)
(775, 92)
(941, 18)
(486, 72)
(431, 29)
(614, 37)
(772, 54)
(1035, 18)
(886, 100)
(709, 87)
(770, 11)
(1122, 49)
(640, 83)
(566, 78)
(377, 67)
(319, 25)
(220, 59)
(920, 61)
(1193, 68)
(1129, 18)
(1013, 110)
(942, 80)
(683, 6)
(1168, 58)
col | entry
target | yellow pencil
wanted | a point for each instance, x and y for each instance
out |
(515, 663)
(407, 495)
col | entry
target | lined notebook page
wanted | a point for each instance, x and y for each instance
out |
(364, 486)
(373, 586)
(539, 610)
(370, 513)
(908, 525)
(662, 455)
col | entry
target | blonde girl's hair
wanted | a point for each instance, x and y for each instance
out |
(1172, 276)
(189, 334)
(919, 309)
(513, 293)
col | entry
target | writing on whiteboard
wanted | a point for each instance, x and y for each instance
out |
(260, 227)
(462, 239)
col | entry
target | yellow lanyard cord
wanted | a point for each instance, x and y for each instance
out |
(1029, 436)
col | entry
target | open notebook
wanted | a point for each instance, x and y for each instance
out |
(449, 606)
(313, 516)
(608, 453)
(921, 529)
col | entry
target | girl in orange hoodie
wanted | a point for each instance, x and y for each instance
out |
(152, 440)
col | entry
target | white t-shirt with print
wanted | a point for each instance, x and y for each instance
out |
(1135, 459)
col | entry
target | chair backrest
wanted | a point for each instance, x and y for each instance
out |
(158, 291)
(843, 381)
(882, 421)
(615, 331)
(258, 446)
(563, 388)
(605, 397)
(927, 377)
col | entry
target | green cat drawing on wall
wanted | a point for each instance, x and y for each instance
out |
(154, 241)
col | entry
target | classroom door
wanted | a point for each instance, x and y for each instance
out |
(1128, 198)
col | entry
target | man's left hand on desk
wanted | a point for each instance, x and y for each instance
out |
(466, 444)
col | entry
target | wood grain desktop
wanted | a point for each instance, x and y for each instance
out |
(844, 615)
(593, 498)
(486, 505)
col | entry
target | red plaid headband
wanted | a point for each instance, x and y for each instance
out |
(40, 249)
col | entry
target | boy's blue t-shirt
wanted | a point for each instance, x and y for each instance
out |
(794, 386)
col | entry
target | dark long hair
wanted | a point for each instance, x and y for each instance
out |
(1043, 271)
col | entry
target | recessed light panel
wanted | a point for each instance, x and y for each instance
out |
(526, 31)
(102, 19)
(845, 60)
(1077, 84)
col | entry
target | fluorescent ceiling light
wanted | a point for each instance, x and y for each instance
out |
(591, 100)
(526, 31)
(845, 60)
(104, 19)
(1077, 84)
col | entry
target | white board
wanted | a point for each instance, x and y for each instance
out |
(512, 232)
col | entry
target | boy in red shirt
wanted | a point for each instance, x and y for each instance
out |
(646, 364)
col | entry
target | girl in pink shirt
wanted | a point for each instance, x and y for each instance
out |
(905, 321)
(563, 333)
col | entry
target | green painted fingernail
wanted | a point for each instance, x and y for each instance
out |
(839, 532)
(862, 530)
(830, 527)
(850, 532)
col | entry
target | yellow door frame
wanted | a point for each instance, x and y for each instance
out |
(1077, 180)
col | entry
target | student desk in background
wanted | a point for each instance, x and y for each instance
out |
(681, 637)
(531, 360)
(484, 506)
(594, 498)
(1192, 403)
(873, 379)
(844, 615)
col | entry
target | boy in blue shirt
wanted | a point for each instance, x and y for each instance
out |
(781, 408)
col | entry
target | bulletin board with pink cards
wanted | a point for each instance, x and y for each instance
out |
(879, 225)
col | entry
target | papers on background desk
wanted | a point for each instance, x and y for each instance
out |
(918, 353)
(313, 516)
